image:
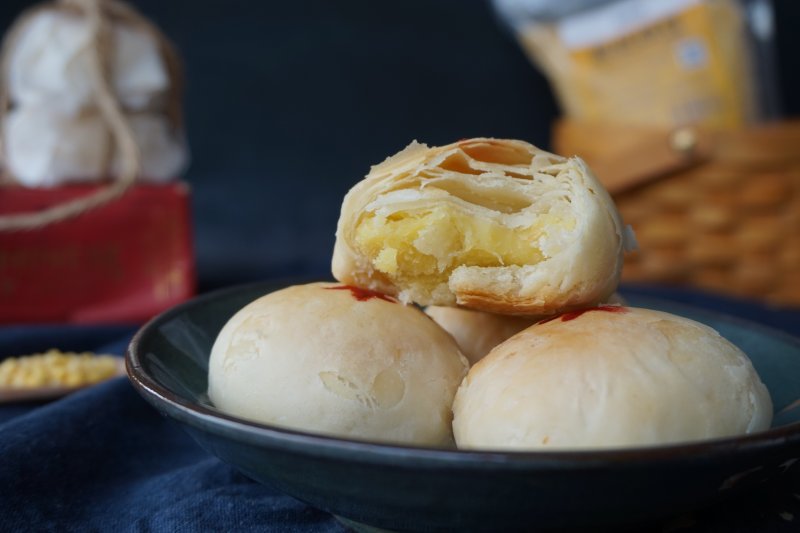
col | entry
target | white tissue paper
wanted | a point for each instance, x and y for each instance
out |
(44, 149)
(54, 134)
(49, 65)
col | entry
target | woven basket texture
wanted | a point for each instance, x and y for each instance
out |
(730, 224)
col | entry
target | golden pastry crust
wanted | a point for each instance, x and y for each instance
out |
(489, 224)
(608, 377)
(477, 332)
(338, 360)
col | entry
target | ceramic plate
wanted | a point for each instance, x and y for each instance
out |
(408, 488)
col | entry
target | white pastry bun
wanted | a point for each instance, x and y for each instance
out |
(610, 377)
(490, 224)
(477, 332)
(336, 360)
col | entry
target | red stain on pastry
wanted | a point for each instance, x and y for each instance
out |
(572, 315)
(362, 295)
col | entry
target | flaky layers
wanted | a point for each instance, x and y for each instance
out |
(489, 224)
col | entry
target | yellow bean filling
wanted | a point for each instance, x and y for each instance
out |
(55, 368)
(426, 245)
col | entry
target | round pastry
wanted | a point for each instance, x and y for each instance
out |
(338, 360)
(477, 332)
(490, 224)
(609, 377)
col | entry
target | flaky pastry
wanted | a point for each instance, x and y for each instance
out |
(338, 360)
(609, 377)
(490, 224)
(477, 332)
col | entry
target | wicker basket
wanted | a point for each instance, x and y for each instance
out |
(716, 211)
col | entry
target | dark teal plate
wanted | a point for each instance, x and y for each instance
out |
(408, 488)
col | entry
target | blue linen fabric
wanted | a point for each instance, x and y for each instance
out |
(102, 459)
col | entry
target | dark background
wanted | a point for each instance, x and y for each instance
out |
(289, 103)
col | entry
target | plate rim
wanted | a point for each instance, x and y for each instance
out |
(298, 441)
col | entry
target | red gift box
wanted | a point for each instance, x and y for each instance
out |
(122, 262)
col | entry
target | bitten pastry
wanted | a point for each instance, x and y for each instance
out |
(609, 377)
(490, 224)
(338, 360)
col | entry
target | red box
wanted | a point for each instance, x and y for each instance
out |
(122, 262)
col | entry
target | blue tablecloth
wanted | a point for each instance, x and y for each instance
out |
(102, 459)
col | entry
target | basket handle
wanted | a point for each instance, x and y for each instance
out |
(625, 156)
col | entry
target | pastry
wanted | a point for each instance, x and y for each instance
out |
(337, 360)
(489, 224)
(609, 377)
(477, 332)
